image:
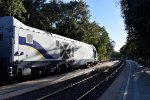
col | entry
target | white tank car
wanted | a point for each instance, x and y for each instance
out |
(25, 50)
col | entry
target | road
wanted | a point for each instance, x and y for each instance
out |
(132, 84)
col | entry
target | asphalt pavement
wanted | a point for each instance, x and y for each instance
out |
(132, 84)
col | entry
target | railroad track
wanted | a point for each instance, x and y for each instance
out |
(112, 75)
(85, 88)
(71, 89)
(15, 80)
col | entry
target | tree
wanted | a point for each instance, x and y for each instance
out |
(105, 45)
(12, 8)
(34, 16)
(110, 48)
(137, 21)
(92, 31)
(68, 19)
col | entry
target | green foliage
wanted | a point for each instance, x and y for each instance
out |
(72, 20)
(69, 19)
(91, 32)
(115, 55)
(12, 8)
(136, 14)
(34, 16)
(105, 45)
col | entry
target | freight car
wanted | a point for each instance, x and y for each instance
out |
(25, 50)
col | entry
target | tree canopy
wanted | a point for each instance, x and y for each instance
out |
(69, 19)
(12, 8)
(136, 14)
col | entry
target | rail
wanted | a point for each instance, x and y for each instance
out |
(85, 80)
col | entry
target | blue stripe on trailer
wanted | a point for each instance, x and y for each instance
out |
(37, 46)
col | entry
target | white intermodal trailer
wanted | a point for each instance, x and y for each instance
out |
(25, 50)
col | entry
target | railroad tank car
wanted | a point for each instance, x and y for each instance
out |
(25, 50)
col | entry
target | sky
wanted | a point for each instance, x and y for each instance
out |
(108, 14)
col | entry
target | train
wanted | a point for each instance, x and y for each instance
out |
(25, 50)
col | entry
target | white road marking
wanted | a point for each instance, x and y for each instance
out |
(127, 86)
